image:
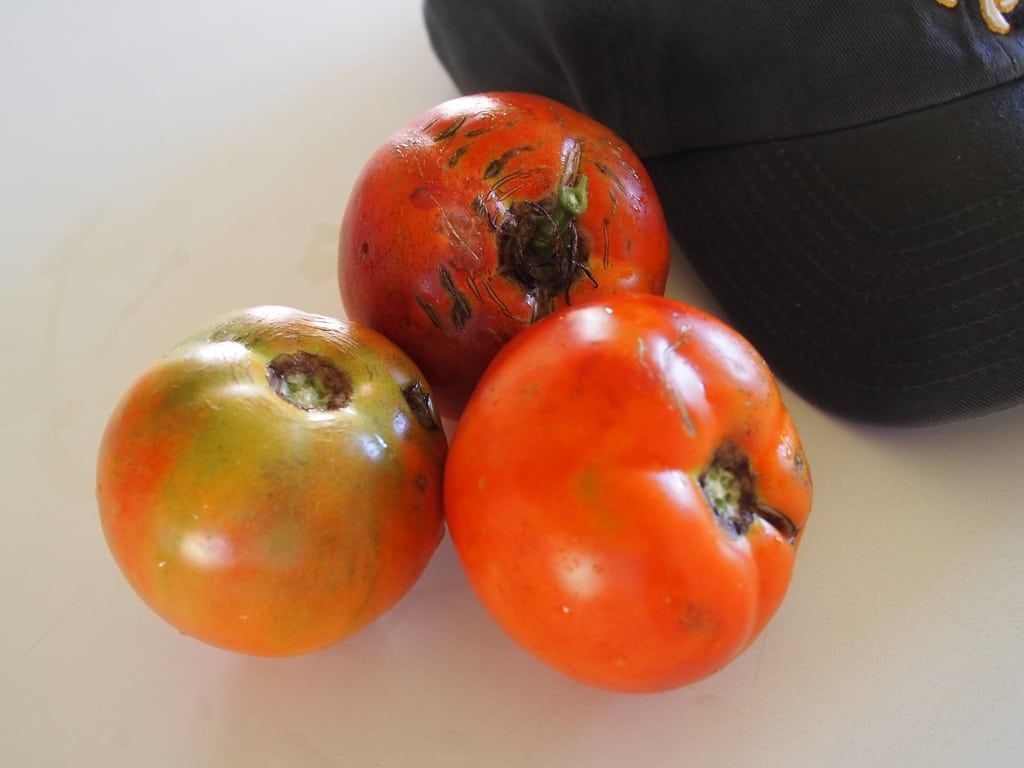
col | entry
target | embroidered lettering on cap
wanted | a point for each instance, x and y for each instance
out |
(992, 11)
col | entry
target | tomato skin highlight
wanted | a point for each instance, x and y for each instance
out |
(262, 526)
(575, 492)
(435, 244)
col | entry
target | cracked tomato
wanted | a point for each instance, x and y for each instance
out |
(274, 483)
(486, 213)
(626, 492)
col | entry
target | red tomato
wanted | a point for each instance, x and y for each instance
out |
(626, 492)
(486, 213)
(274, 484)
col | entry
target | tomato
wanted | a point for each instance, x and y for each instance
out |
(274, 483)
(486, 213)
(626, 492)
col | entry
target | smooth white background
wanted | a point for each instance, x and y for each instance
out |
(164, 163)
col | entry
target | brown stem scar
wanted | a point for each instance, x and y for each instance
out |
(540, 247)
(308, 381)
(730, 486)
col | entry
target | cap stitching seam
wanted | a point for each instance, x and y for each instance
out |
(637, 127)
(783, 194)
(962, 213)
(847, 313)
(887, 274)
(816, 365)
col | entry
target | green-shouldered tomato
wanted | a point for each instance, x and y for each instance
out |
(274, 483)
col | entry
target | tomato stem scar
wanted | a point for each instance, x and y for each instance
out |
(729, 485)
(722, 489)
(310, 382)
(571, 201)
(540, 247)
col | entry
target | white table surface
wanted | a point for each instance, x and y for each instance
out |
(164, 163)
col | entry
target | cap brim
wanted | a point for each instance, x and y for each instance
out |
(879, 269)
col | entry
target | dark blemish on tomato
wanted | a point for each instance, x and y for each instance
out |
(478, 132)
(457, 155)
(605, 229)
(421, 483)
(364, 248)
(694, 619)
(423, 198)
(430, 125)
(422, 407)
(462, 310)
(451, 130)
(502, 305)
(479, 207)
(730, 486)
(431, 313)
(471, 282)
(606, 171)
(494, 167)
(500, 185)
(310, 382)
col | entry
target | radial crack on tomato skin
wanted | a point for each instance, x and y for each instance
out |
(451, 130)
(456, 155)
(462, 307)
(428, 310)
(501, 190)
(495, 166)
(501, 305)
(604, 170)
(455, 235)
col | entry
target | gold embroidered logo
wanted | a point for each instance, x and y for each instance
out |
(992, 11)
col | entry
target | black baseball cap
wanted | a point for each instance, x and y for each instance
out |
(846, 178)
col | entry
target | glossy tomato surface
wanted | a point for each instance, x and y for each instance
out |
(486, 213)
(274, 483)
(626, 492)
